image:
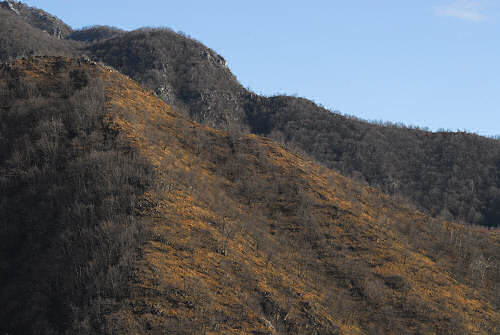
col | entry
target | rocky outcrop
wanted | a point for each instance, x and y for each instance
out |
(181, 71)
(38, 18)
(9, 5)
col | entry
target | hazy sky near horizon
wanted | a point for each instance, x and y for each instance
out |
(431, 63)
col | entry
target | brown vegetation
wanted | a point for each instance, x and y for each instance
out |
(452, 175)
(245, 237)
(249, 238)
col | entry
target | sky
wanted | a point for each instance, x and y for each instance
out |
(428, 63)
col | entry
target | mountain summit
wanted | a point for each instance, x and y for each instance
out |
(38, 18)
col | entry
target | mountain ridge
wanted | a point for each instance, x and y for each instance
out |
(121, 213)
(38, 18)
(454, 175)
(342, 143)
(241, 237)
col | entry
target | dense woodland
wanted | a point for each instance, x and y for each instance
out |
(19, 38)
(448, 174)
(97, 243)
(118, 214)
(68, 194)
(182, 71)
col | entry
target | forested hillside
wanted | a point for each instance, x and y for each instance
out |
(453, 175)
(95, 33)
(121, 216)
(37, 18)
(19, 38)
(69, 192)
(181, 71)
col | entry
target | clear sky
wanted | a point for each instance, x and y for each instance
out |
(432, 63)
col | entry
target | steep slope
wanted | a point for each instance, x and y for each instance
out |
(38, 18)
(20, 37)
(249, 238)
(455, 175)
(180, 70)
(452, 175)
(69, 188)
(244, 237)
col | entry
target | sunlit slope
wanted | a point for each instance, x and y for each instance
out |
(249, 238)
(246, 237)
(446, 174)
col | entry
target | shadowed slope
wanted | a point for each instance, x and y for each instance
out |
(69, 191)
(180, 70)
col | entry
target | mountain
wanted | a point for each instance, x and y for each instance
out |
(181, 71)
(38, 18)
(453, 175)
(95, 33)
(121, 216)
(153, 207)
(27, 31)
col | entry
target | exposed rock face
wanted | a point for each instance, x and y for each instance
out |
(10, 6)
(38, 18)
(181, 71)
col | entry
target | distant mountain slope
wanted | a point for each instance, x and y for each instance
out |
(181, 71)
(456, 175)
(232, 234)
(20, 37)
(38, 18)
(453, 175)
(95, 33)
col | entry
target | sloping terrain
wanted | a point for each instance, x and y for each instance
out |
(248, 238)
(69, 188)
(445, 174)
(38, 18)
(180, 70)
(452, 175)
(20, 38)
(232, 234)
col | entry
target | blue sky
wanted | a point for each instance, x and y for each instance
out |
(431, 63)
